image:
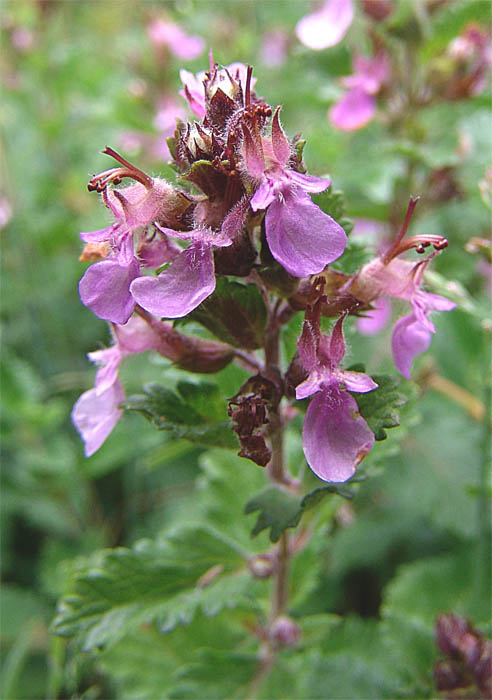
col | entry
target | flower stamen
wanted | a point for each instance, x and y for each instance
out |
(99, 182)
(420, 242)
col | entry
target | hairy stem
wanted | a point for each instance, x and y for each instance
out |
(280, 592)
(275, 467)
(277, 474)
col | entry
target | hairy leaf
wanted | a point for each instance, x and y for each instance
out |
(196, 412)
(149, 665)
(216, 674)
(279, 510)
(423, 589)
(234, 313)
(380, 407)
(314, 497)
(165, 583)
(354, 257)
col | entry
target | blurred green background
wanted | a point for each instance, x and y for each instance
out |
(77, 76)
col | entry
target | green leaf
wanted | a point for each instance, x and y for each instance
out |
(234, 313)
(196, 413)
(423, 589)
(150, 665)
(354, 257)
(165, 583)
(450, 22)
(380, 407)
(278, 508)
(349, 658)
(224, 489)
(216, 674)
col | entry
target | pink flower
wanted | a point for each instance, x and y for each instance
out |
(335, 437)
(97, 411)
(358, 106)
(375, 320)
(191, 277)
(301, 237)
(171, 36)
(472, 54)
(105, 287)
(274, 48)
(326, 27)
(401, 279)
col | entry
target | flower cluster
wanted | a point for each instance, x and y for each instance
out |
(243, 208)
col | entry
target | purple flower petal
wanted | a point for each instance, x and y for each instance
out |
(194, 91)
(234, 220)
(309, 183)
(371, 72)
(102, 234)
(438, 303)
(336, 346)
(326, 27)
(280, 142)
(181, 287)
(105, 289)
(264, 195)
(95, 415)
(313, 383)
(356, 381)
(376, 319)
(136, 336)
(177, 41)
(301, 237)
(353, 111)
(199, 235)
(335, 437)
(109, 361)
(253, 154)
(155, 251)
(409, 339)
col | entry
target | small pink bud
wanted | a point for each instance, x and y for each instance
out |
(285, 632)
(261, 566)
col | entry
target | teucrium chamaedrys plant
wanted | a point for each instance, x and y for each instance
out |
(238, 245)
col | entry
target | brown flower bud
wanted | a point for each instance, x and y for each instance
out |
(378, 9)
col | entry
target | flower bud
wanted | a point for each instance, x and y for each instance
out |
(285, 632)
(378, 10)
(204, 356)
(261, 566)
(186, 351)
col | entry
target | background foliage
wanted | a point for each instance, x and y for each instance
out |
(123, 537)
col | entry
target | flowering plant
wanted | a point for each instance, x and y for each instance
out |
(249, 216)
(286, 442)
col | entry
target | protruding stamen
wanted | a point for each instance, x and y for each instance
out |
(390, 254)
(420, 242)
(115, 175)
